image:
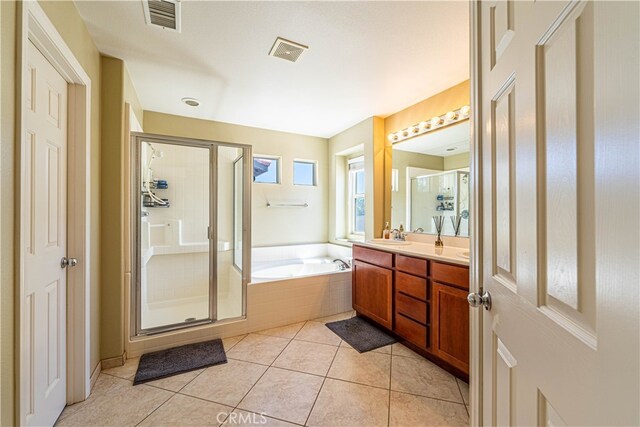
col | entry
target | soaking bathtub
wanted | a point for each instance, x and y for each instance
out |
(288, 269)
(294, 283)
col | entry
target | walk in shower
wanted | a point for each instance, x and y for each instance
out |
(191, 228)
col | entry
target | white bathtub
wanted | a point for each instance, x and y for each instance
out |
(295, 268)
(290, 262)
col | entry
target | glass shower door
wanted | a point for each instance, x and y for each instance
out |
(175, 251)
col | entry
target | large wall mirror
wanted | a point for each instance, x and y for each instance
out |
(430, 177)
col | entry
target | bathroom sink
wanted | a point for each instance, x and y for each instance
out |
(388, 242)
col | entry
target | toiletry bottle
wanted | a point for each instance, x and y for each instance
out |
(386, 233)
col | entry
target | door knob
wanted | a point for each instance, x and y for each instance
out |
(68, 262)
(477, 300)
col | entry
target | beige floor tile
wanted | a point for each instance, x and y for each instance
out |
(419, 376)
(175, 382)
(227, 383)
(464, 389)
(188, 411)
(347, 404)
(126, 371)
(288, 331)
(240, 418)
(258, 349)
(318, 332)
(365, 368)
(398, 349)
(336, 317)
(417, 411)
(114, 402)
(283, 394)
(386, 349)
(309, 357)
(228, 343)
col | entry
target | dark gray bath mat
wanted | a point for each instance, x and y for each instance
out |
(173, 361)
(360, 334)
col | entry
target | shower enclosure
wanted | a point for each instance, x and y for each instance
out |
(191, 228)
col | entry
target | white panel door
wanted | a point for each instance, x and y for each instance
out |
(43, 331)
(560, 212)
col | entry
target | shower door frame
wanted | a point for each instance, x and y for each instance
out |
(137, 139)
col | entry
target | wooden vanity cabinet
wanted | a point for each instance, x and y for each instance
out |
(420, 300)
(372, 292)
(450, 325)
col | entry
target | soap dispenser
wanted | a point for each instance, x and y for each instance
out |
(386, 233)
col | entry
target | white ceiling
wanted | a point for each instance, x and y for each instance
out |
(364, 58)
(436, 143)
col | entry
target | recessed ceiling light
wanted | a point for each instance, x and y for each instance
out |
(191, 102)
(452, 149)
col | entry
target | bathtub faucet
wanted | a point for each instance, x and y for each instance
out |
(341, 264)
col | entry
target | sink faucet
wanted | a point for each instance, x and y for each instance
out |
(341, 264)
(419, 230)
(398, 234)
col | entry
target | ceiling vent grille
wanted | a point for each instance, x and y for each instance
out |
(286, 49)
(162, 13)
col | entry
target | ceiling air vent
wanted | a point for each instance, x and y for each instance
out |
(162, 13)
(286, 49)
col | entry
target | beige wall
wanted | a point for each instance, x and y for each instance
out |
(68, 23)
(117, 90)
(111, 178)
(7, 150)
(458, 161)
(271, 226)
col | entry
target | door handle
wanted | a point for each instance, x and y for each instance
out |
(480, 300)
(68, 262)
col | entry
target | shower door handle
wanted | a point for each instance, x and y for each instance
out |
(209, 233)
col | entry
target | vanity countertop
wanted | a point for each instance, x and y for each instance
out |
(450, 254)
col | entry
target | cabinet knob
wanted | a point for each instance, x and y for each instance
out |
(480, 300)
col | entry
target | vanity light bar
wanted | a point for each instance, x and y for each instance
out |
(435, 123)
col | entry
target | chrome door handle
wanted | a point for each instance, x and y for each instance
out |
(477, 300)
(68, 262)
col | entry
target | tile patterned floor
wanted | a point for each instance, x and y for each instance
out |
(300, 374)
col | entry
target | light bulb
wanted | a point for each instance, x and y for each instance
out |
(405, 133)
(391, 137)
(415, 129)
(436, 121)
(424, 125)
(465, 110)
(451, 116)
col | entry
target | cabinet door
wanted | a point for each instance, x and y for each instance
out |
(372, 292)
(450, 325)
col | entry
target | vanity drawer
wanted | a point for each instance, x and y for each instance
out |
(411, 331)
(412, 265)
(411, 308)
(372, 256)
(451, 274)
(411, 285)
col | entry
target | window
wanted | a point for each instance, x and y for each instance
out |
(304, 172)
(356, 195)
(266, 170)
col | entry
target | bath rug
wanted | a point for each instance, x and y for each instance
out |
(360, 334)
(177, 360)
